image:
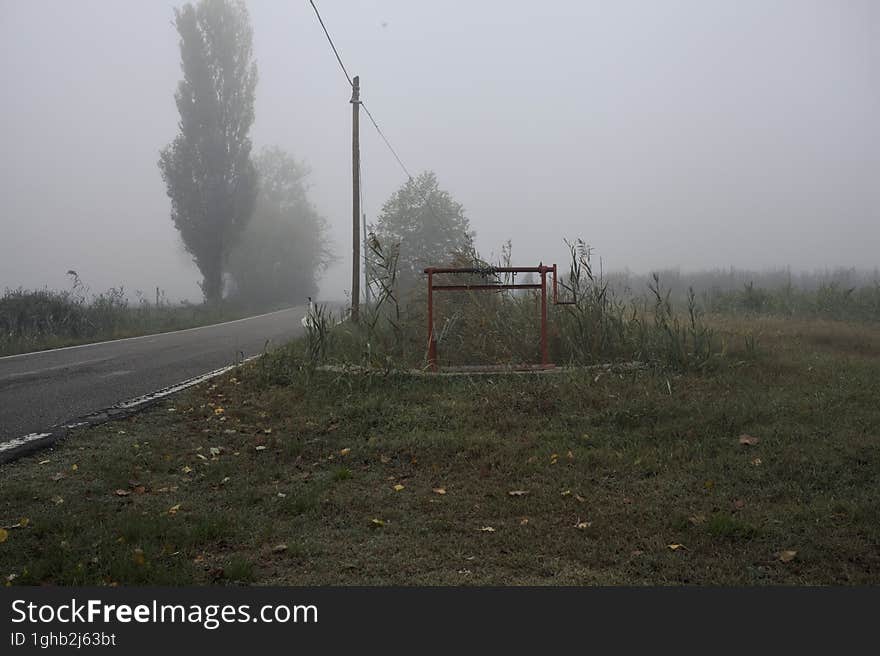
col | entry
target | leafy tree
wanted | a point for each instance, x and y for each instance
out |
(207, 169)
(429, 225)
(285, 246)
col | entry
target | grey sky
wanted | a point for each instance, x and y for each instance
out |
(695, 133)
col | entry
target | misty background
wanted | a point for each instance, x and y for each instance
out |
(678, 133)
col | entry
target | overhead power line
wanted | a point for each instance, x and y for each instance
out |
(348, 77)
(385, 139)
(351, 83)
(335, 51)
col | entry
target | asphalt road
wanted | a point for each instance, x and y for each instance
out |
(48, 388)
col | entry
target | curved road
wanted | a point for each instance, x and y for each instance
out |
(48, 388)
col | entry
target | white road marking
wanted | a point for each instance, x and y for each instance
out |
(121, 372)
(130, 404)
(129, 339)
(168, 391)
(21, 441)
(34, 372)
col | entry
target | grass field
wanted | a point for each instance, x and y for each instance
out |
(46, 319)
(282, 474)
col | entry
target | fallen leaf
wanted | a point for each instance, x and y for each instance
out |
(398, 487)
(439, 490)
(524, 521)
(518, 493)
(377, 523)
(4, 534)
(137, 557)
(219, 411)
(187, 469)
(122, 493)
(24, 521)
(74, 467)
(582, 525)
(565, 493)
(214, 450)
(260, 447)
(279, 548)
(748, 440)
(267, 430)
(675, 546)
(173, 509)
(787, 556)
(487, 529)
(345, 451)
(757, 461)
(553, 458)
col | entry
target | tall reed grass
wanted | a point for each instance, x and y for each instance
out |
(503, 327)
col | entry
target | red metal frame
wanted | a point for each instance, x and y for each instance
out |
(540, 269)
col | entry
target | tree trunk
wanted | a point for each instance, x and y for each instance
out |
(212, 284)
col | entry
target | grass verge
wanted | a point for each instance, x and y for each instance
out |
(281, 474)
(39, 320)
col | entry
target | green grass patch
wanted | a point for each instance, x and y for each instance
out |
(579, 477)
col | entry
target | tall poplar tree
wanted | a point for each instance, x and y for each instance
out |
(208, 171)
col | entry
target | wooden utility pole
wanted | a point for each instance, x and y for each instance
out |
(355, 200)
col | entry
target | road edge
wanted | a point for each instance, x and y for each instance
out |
(19, 447)
(147, 335)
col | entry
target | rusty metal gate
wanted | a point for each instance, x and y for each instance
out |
(541, 269)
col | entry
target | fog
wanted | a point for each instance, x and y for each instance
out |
(697, 134)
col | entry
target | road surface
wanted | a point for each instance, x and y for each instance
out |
(48, 388)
